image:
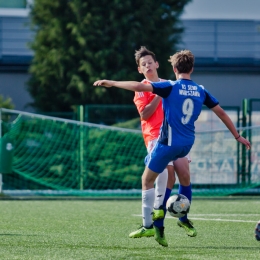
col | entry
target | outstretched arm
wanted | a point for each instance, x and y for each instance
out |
(229, 124)
(128, 85)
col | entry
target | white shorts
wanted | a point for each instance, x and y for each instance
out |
(151, 145)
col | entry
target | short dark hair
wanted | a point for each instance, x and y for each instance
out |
(143, 51)
(183, 61)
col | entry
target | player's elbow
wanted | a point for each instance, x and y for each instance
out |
(144, 117)
(222, 114)
(219, 111)
(140, 87)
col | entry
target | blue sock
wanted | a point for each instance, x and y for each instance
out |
(185, 190)
(160, 222)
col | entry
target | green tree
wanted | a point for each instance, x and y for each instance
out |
(79, 41)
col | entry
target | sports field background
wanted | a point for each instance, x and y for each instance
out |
(98, 229)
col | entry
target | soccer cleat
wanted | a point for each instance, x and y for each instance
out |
(257, 231)
(143, 232)
(159, 236)
(158, 213)
(188, 226)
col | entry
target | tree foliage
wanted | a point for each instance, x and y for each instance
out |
(79, 41)
(6, 102)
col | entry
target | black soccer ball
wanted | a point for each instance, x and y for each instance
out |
(178, 205)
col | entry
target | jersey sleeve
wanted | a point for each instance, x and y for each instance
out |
(162, 88)
(210, 101)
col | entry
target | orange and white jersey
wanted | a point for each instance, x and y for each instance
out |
(151, 126)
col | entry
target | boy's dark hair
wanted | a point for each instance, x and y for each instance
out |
(183, 61)
(143, 51)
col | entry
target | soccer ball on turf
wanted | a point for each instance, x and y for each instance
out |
(257, 231)
(178, 205)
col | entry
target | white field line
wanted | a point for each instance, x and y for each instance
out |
(218, 219)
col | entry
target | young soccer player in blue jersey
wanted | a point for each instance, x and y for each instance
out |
(150, 109)
(182, 103)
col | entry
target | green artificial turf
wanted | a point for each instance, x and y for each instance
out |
(82, 229)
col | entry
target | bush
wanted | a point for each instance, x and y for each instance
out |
(6, 103)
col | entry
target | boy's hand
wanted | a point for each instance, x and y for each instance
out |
(104, 82)
(244, 141)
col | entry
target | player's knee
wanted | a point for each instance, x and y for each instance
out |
(147, 182)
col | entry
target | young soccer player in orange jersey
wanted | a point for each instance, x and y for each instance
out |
(150, 109)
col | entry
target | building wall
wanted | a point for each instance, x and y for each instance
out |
(227, 57)
(230, 88)
(13, 85)
(15, 57)
(223, 42)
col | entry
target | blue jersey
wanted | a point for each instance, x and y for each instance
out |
(182, 103)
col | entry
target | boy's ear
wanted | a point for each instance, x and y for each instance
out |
(157, 65)
(139, 70)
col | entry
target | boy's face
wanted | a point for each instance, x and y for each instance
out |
(147, 65)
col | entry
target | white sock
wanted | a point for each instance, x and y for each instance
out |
(160, 188)
(147, 207)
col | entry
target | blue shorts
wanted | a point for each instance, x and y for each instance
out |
(161, 155)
